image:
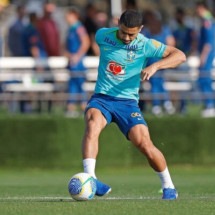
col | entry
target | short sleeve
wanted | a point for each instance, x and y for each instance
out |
(154, 48)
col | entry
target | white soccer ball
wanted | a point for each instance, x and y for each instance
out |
(82, 187)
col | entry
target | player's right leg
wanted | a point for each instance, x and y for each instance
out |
(95, 123)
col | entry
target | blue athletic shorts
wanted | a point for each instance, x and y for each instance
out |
(124, 112)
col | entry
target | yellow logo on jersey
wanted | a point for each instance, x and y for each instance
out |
(156, 43)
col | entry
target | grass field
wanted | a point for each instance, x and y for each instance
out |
(134, 192)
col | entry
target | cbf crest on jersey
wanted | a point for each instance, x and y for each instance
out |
(131, 55)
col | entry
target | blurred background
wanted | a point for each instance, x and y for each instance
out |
(45, 82)
(48, 69)
(36, 53)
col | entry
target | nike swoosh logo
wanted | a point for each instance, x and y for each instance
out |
(107, 49)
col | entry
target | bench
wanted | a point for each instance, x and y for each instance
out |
(21, 71)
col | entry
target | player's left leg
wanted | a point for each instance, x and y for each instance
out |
(140, 137)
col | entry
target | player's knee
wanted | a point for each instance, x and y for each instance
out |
(93, 128)
(145, 145)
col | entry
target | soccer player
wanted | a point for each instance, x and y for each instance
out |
(123, 55)
(77, 44)
(206, 47)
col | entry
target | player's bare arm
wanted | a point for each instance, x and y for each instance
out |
(172, 57)
(204, 54)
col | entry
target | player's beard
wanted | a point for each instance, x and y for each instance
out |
(126, 41)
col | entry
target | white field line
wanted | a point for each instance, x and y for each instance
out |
(48, 198)
(69, 199)
(35, 198)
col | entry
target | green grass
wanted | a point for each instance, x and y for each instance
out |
(134, 192)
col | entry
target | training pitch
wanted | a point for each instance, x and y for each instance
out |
(135, 191)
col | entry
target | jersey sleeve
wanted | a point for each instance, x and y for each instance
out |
(154, 48)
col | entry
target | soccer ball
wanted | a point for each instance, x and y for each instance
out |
(82, 187)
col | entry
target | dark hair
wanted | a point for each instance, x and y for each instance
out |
(180, 10)
(131, 19)
(74, 10)
(202, 4)
(32, 16)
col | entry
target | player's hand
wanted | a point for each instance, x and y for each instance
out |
(148, 72)
(202, 60)
(74, 59)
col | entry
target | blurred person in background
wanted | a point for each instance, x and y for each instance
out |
(3, 4)
(102, 19)
(91, 26)
(77, 44)
(32, 41)
(131, 4)
(15, 33)
(33, 47)
(114, 21)
(50, 36)
(16, 48)
(186, 40)
(154, 29)
(1, 43)
(206, 47)
(185, 36)
(48, 30)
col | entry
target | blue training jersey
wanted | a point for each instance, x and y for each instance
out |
(32, 38)
(206, 37)
(73, 44)
(161, 36)
(121, 64)
(183, 36)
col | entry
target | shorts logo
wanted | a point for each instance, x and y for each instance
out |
(136, 114)
(115, 68)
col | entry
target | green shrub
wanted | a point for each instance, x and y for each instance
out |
(47, 142)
